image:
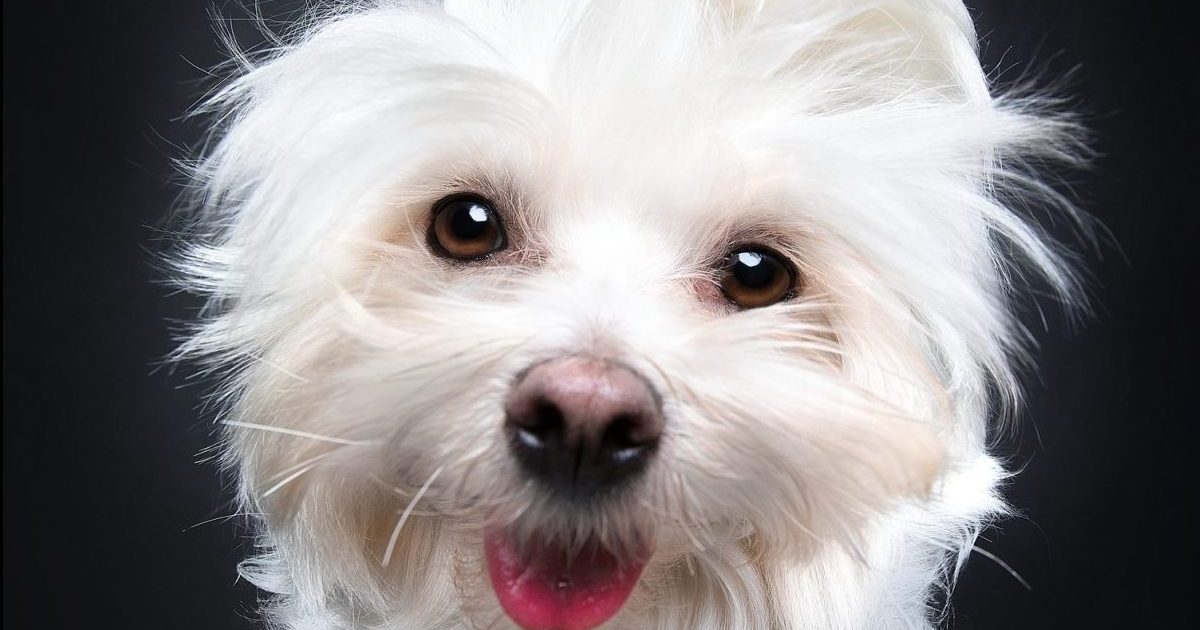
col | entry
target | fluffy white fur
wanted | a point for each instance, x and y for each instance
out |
(825, 460)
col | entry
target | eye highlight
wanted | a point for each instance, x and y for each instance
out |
(466, 227)
(754, 277)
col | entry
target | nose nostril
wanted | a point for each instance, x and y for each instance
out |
(548, 416)
(543, 426)
(627, 440)
(621, 433)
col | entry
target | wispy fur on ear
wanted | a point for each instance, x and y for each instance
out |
(825, 462)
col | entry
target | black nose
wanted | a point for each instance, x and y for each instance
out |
(582, 426)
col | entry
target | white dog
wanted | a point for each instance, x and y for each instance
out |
(563, 314)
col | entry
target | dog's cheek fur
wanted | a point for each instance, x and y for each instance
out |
(824, 465)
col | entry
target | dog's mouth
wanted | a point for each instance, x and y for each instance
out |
(543, 586)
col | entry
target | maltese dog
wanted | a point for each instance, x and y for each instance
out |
(566, 314)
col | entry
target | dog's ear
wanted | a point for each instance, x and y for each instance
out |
(880, 48)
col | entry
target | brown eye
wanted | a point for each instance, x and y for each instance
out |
(466, 227)
(753, 278)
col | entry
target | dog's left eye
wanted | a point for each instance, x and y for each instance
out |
(754, 277)
(466, 227)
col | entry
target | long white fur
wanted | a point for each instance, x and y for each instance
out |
(825, 464)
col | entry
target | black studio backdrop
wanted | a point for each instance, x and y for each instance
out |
(107, 512)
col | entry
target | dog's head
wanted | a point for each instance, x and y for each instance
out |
(526, 306)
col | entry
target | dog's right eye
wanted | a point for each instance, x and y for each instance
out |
(754, 277)
(466, 227)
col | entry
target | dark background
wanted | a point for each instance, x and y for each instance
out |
(102, 486)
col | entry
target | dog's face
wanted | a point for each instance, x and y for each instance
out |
(543, 309)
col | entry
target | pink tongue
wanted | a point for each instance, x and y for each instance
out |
(542, 590)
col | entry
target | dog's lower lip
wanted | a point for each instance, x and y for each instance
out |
(546, 589)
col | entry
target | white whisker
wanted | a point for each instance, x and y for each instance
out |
(222, 519)
(391, 547)
(288, 479)
(1003, 565)
(279, 368)
(296, 433)
(301, 464)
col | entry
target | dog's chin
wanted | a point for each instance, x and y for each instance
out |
(543, 583)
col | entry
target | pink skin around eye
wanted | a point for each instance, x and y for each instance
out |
(709, 293)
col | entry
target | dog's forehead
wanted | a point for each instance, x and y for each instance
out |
(618, 108)
(639, 171)
(653, 156)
